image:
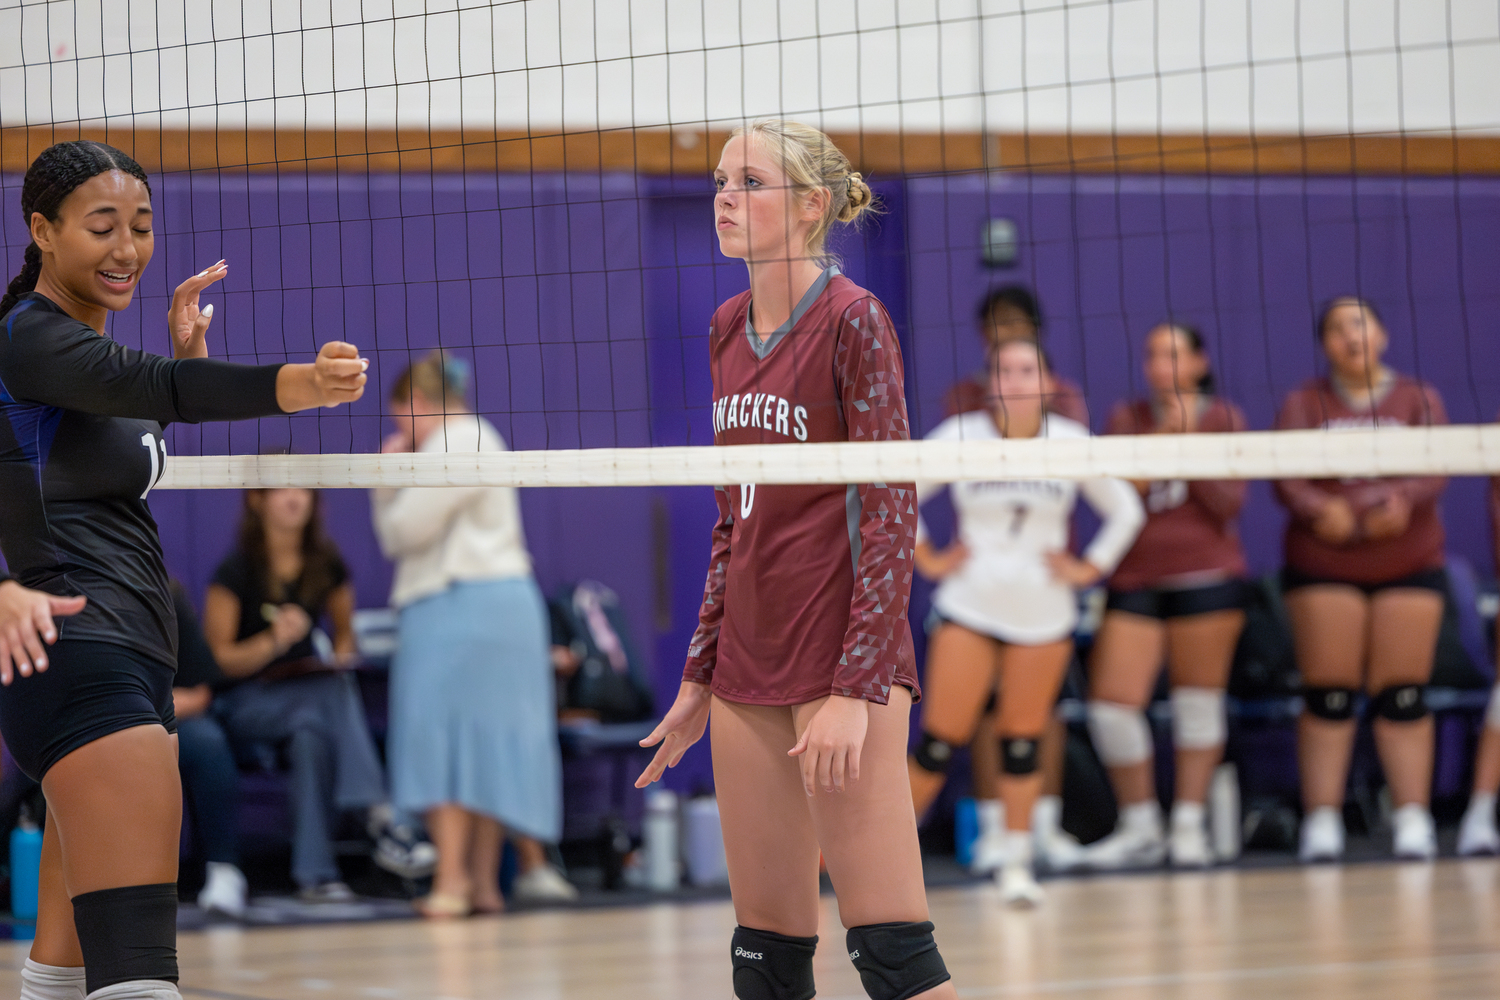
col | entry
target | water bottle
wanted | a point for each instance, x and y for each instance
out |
(965, 829)
(25, 871)
(703, 842)
(661, 841)
(1224, 812)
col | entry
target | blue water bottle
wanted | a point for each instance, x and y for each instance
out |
(965, 829)
(25, 871)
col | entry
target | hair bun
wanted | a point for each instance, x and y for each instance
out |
(859, 197)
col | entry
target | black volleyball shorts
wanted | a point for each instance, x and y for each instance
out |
(1152, 602)
(88, 691)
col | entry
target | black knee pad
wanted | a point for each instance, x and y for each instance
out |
(128, 934)
(1401, 703)
(771, 966)
(896, 961)
(933, 754)
(1019, 754)
(1333, 704)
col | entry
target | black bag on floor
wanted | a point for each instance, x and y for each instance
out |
(610, 679)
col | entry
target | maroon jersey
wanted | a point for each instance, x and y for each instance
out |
(808, 585)
(1404, 403)
(1191, 530)
(973, 394)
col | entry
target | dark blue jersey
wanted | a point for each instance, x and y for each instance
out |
(80, 448)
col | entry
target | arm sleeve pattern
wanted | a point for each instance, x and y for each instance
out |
(869, 373)
(57, 361)
(703, 650)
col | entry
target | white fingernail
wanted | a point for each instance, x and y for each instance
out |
(363, 362)
(208, 310)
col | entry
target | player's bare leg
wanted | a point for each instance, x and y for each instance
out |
(960, 676)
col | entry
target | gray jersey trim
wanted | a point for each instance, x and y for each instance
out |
(852, 509)
(764, 347)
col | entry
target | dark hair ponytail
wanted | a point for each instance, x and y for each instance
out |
(52, 176)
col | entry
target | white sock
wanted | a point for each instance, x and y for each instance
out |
(1018, 848)
(1188, 814)
(1144, 817)
(1482, 803)
(1046, 816)
(51, 982)
(991, 815)
(138, 989)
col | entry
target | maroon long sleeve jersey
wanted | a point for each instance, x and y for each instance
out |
(1191, 526)
(1404, 403)
(808, 586)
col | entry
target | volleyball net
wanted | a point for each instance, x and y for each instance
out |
(525, 186)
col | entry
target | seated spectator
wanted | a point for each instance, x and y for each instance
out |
(1365, 583)
(210, 782)
(1477, 833)
(1011, 312)
(1177, 597)
(473, 739)
(284, 684)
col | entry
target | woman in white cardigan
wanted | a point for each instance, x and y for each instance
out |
(473, 733)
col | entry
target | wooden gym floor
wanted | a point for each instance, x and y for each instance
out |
(1365, 931)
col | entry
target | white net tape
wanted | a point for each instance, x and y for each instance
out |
(1315, 454)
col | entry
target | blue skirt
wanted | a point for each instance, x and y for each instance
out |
(473, 714)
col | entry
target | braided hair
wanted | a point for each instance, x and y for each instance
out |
(52, 176)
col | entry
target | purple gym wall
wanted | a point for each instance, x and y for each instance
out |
(583, 302)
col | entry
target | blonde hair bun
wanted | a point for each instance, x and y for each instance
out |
(811, 161)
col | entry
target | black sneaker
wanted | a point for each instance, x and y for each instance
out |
(403, 851)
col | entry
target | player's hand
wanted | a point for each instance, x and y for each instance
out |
(187, 324)
(935, 564)
(290, 626)
(338, 376)
(682, 726)
(1177, 414)
(1071, 570)
(831, 744)
(26, 623)
(1335, 524)
(1388, 519)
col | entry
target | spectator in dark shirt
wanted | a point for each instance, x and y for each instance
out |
(286, 686)
(210, 781)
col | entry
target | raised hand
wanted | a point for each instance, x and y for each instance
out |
(187, 324)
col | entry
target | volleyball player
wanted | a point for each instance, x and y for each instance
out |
(1177, 595)
(1477, 833)
(1364, 584)
(1007, 600)
(803, 656)
(81, 446)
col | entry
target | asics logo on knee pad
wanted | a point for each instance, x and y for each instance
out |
(742, 953)
(854, 955)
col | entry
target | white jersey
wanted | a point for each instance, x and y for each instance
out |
(1005, 588)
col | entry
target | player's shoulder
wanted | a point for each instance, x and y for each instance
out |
(730, 316)
(851, 302)
(35, 315)
(1055, 426)
(975, 425)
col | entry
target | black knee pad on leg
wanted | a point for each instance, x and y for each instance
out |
(1401, 703)
(933, 754)
(896, 961)
(771, 966)
(1019, 755)
(128, 934)
(1333, 704)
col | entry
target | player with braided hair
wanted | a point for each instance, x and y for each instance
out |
(81, 446)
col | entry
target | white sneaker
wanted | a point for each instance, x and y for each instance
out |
(1136, 843)
(1413, 836)
(1189, 847)
(545, 884)
(224, 891)
(989, 854)
(1018, 885)
(1056, 849)
(1322, 836)
(1477, 833)
(989, 847)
